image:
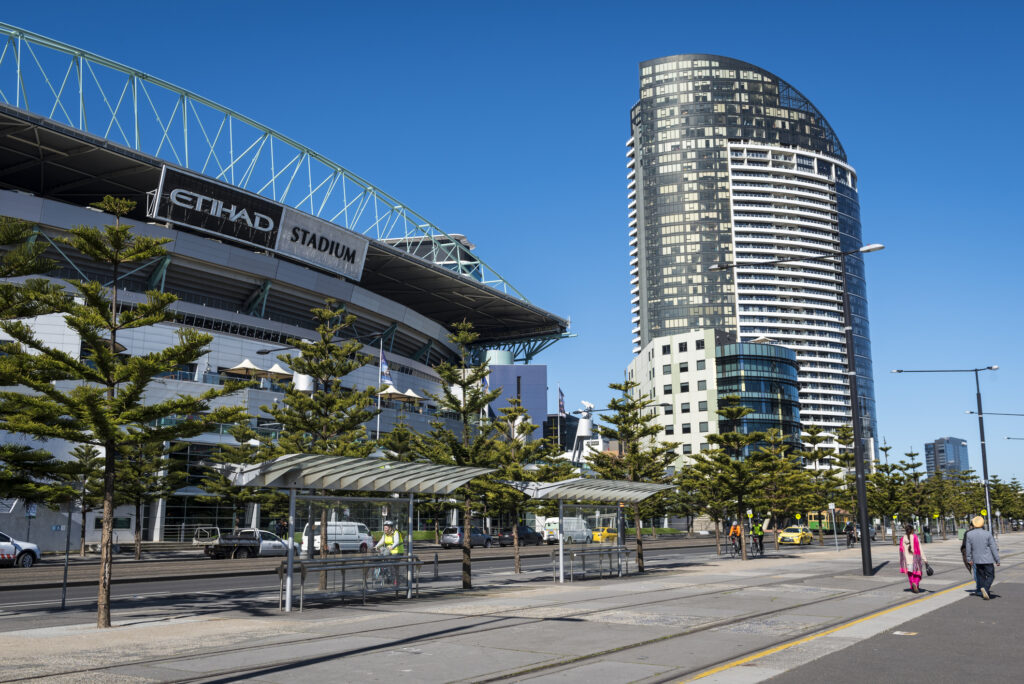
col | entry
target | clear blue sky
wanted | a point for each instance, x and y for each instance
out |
(507, 122)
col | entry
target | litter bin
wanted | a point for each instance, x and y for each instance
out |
(927, 535)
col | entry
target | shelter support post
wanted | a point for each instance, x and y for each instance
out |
(561, 546)
(620, 529)
(408, 568)
(291, 551)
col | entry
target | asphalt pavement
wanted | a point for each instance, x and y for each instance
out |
(802, 614)
(971, 640)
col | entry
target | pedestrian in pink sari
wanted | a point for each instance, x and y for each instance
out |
(912, 560)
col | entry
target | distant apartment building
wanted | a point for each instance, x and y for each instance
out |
(946, 454)
(686, 375)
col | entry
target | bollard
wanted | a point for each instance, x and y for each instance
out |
(435, 566)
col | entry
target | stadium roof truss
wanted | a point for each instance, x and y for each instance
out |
(151, 116)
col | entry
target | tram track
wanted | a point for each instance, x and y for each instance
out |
(505, 618)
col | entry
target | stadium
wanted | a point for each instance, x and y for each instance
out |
(263, 229)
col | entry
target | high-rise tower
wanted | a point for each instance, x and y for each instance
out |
(729, 163)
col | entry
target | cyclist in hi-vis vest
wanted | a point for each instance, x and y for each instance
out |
(391, 539)
(757, 532)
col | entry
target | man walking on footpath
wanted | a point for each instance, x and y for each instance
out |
(981, 552)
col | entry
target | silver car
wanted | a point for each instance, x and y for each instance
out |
(452, 536)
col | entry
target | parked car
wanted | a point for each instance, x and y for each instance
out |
(342, 536)
(452, 536)
(605, 535)
(16, 553)
(248, 544)
(527, 535)
(796, 535)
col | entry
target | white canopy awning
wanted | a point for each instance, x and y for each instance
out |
(314, 471)
(247, 368)
(277, 371)
(590, 489)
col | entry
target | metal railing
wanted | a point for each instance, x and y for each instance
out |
(617, 557)
(373, 574)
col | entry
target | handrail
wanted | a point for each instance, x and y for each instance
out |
(611, 553)
(365, 564)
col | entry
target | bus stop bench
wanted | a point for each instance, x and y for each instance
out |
(372, 573)
(617, 558)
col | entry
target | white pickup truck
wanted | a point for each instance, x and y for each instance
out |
(20, 554)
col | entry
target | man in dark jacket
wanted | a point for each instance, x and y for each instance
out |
(980, 550)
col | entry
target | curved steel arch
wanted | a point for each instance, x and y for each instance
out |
(147, 114)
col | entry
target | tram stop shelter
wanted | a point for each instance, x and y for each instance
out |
(588, 489)
(295, 472)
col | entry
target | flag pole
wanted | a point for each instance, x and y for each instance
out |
(559, 386)
(380, 371)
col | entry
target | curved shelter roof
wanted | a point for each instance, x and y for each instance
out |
(316, 471)
(593, 490)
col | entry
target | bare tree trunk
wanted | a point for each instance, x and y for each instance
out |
(467, 563)
(107, 538)
(437, 532)
(516, 566)
(639, 539)
(109, 466)
(743, 537)
(138, 530)
(718, 541)
(775, 532)
(84, 511)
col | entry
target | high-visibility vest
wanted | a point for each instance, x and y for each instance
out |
(396, 540)
(757, 531)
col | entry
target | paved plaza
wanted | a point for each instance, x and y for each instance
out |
(804, 615)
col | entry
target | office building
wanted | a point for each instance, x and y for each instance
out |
(729, 164)
(686, 376)
(946, 455)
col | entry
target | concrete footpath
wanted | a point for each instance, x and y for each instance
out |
(803, 615)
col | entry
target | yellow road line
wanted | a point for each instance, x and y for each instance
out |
(804, 640)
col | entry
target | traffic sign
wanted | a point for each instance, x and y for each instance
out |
(984, 511)
(797, 516)
(831, 507)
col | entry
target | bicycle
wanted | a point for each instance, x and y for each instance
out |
(734, 547)
(756, 547)
(381, 576)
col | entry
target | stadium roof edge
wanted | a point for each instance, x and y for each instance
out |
(44, 157)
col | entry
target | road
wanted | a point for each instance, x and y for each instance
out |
(188, 587)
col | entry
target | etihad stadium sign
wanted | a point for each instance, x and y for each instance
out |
(205, 205)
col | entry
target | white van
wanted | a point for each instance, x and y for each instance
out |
(341, 536)
(574, 530)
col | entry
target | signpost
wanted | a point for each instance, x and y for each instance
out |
(832, 512)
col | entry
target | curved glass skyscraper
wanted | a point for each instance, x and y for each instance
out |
(728, 163)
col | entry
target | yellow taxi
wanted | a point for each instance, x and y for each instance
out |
(605, 534)
(795, 535)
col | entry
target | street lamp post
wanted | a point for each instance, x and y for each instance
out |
(851, 370)
(981, 426)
